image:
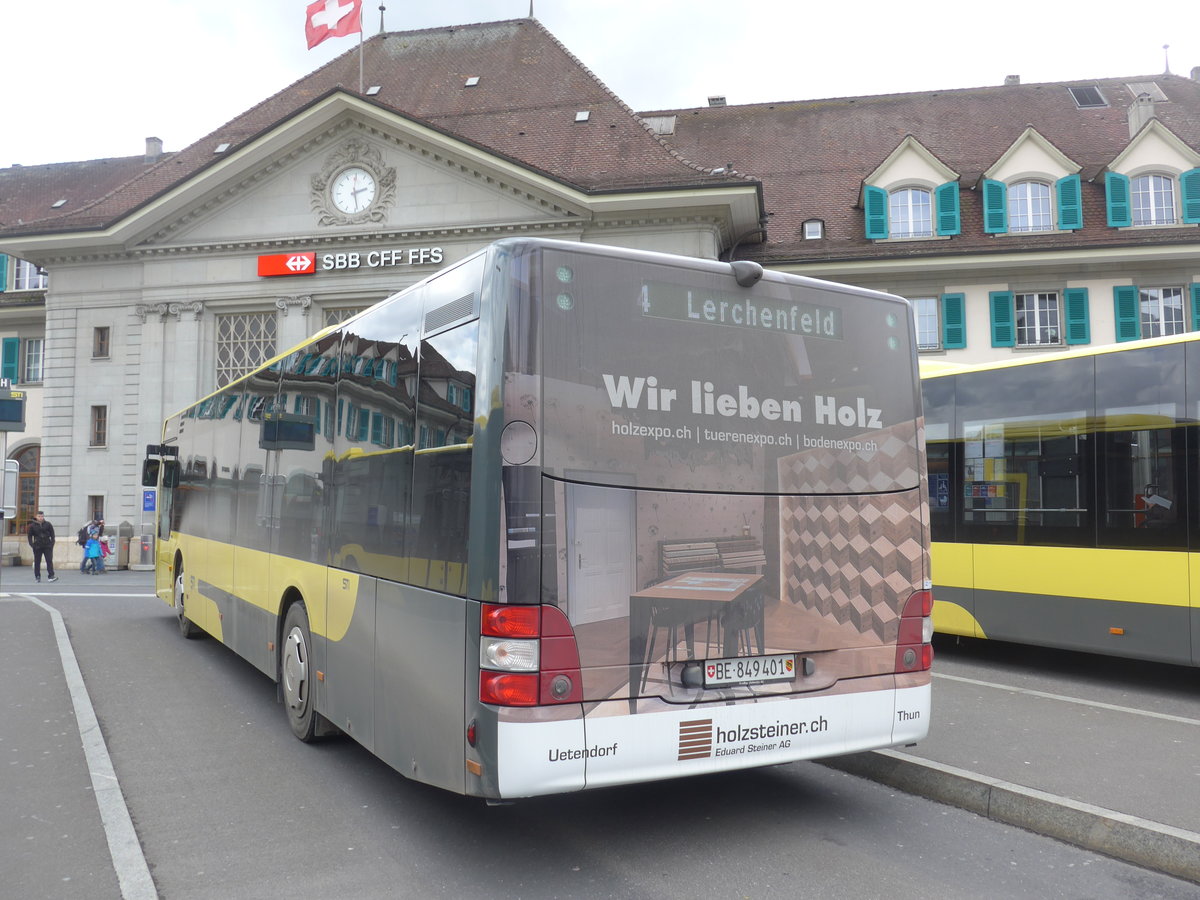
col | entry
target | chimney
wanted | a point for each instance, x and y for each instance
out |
(716, 100)
(153, 149)
(1196, 73)
(1140, 112)
(1010, 80)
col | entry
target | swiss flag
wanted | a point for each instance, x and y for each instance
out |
(332, 18)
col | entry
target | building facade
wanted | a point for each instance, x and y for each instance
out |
(1016, 218)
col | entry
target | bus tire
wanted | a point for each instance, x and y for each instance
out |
(187, 627)
(297, 676)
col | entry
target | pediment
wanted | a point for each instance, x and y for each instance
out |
(417, 187)
(1155, 148)
(1031, 157)
(911, 164)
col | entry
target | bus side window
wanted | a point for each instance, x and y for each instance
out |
(440, 510)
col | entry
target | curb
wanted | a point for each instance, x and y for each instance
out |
(1151, 845)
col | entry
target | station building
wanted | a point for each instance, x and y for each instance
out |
(1017, 218)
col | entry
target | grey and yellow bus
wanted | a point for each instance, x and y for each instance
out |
(1065, 500)
(563, 516)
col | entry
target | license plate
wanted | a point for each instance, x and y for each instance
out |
(749, 669)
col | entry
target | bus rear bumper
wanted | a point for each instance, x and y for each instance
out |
(611, 747)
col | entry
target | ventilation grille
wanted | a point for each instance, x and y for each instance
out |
(450, 313)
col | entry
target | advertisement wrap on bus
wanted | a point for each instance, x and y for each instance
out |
(564, 516)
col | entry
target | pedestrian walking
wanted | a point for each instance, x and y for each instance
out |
(93, 556)
(81, 539)
(41, 538)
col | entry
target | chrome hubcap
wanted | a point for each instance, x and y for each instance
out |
(295, 672)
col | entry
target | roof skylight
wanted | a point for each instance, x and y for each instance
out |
(1088, 96)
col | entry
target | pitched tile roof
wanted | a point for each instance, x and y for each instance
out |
(523, 108)
(812, 157)
(28, 193)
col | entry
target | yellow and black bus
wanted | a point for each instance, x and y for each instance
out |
(1065, 498)
(563, 516)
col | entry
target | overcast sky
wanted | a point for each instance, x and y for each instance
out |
(86, 79)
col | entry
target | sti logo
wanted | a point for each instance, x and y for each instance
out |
(287, 264)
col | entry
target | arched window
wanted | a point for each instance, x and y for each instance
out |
(28, 465)
(1153, 199)
(910, 213)
(1029, 207)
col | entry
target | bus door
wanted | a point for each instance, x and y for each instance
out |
(270, 500)
(600, 532)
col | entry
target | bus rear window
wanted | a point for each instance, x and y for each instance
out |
(682, 380)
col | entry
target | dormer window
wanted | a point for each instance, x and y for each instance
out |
(814, 230)
(910, 213)
(911, 195)
(1150, 199)
(1029, 207)
(1153, 199)
(1154, 181)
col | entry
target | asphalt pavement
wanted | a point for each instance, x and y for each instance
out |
(1054, 765)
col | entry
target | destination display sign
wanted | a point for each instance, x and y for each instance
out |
(689, 304)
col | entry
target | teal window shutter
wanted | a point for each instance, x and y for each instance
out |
(875, 211)
(995, 207)
(3, 272)
(1189, 189)
(945, 197)
(1079, 329)
(1004, 327)
(1195, 306)
(1125, 312)
(1070, 203)
(1120, 211)
(9, 356)
(954, 321)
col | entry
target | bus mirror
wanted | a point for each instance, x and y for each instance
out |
(170, 473)
(150, 473)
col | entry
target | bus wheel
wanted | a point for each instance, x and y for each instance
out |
(187, 627)
(296, 673)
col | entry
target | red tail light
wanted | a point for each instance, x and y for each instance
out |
(508, 688)
(914, 652)
(540, 642)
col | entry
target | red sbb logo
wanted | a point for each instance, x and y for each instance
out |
(287, 264)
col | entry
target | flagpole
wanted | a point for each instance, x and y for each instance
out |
(360, 54)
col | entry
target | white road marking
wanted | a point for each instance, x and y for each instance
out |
(1064, 699)
(133, 873)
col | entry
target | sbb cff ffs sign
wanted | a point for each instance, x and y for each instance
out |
(287, 264)
(309, 263)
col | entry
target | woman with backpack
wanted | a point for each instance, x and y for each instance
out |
(81, 539)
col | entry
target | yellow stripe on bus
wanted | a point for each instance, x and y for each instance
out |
(1127, 576)
(950, 618)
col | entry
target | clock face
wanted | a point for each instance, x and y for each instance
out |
(353, 190)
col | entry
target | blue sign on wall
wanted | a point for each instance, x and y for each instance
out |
(148, 498)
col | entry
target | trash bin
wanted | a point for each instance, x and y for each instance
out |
(124, 536)
(110, 551)
(141, 555)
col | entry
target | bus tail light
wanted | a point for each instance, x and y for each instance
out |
(914, 650)
(528, 657)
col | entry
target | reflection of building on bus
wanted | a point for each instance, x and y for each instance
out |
(424, 523)
(1069, 514)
